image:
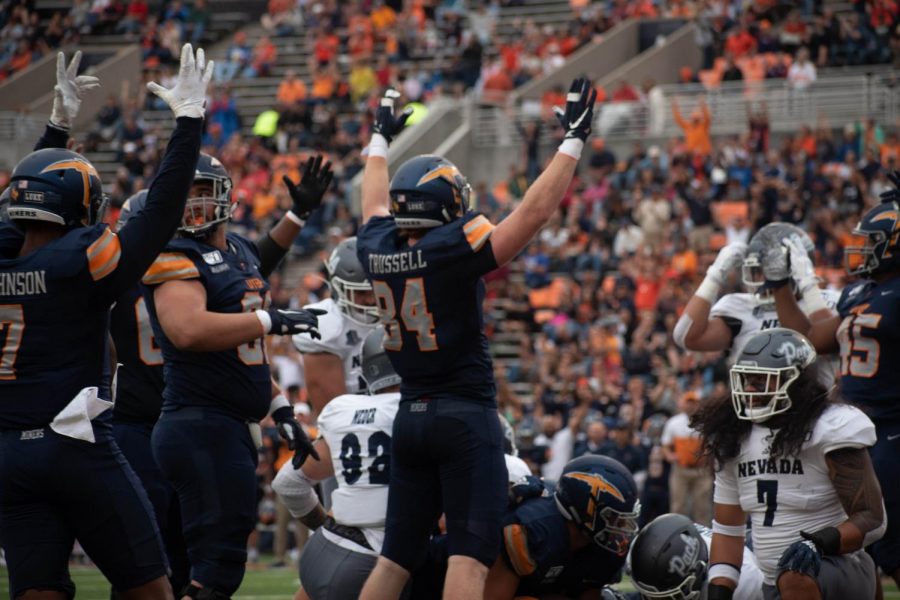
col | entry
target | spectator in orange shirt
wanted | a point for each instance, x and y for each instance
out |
(740, 42)
(325, 48)
(696, 131)
(805, 142)
(383, 16)
(497, 84)
(324, 85)
(264, 55)
(291, 90)
(890, 149)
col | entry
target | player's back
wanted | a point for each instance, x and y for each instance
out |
(430, 298)
(869, 335)
(357, 429)
(140, 374)
(786, 494)
(53, 325)
(236, 381)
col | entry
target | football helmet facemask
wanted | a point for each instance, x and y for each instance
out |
(349, 284)
(202, 213)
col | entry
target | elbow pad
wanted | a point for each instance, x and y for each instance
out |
(296, 490)
(681, 329)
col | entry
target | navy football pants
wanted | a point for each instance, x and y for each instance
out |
(56, 489)
(886, 461)
(210, 460)
(134, 442)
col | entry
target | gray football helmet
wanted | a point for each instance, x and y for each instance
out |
(669, 559)
(768, 237)
(766, 367)
(377, 370)
(349, 284)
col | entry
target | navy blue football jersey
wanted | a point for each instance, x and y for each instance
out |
(430, 298)
(869, 335)
(54, 319)
(536, 546)
(140, 374)
(236, 381)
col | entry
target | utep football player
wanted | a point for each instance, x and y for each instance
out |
(707, 325)
(794, 458)
(354, 446)
(208, 301)
(866, 333)
(55, 293)
(669, 559)
(137, 406)
(425, 251)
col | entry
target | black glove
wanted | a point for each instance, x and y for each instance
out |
(290, 322)
(291, 432)
(579, 113)
(386, 124)
(827, 541)
(803, 557)
(719, 592)
(894, 194)
(307, 195)
(529, 486)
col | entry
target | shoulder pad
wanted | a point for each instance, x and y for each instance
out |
(843, 426)
(171, 266)
(103, 254)
(515, 543)
(733, 305)
(243, 245)
(332, 410)
(853, 294)
(477, 229)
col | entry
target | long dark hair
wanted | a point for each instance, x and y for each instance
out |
(723, 433)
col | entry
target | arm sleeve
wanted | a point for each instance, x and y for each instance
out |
(53, 137)
(148, 231)
(270, 254)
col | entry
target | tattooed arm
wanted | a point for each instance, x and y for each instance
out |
(851, 472)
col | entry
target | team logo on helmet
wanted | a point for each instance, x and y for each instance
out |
(86, 169)
(597, 484)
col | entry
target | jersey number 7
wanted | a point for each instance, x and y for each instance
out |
(413, 312)
(12, 324)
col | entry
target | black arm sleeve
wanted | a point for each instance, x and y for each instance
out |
(270, 254)
(53, 137)
(148, 231)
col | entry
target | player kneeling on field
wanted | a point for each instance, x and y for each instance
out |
(339, 557)
(794, 458)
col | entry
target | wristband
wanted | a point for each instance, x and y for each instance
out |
(724, 571)
(828, 541)
(708, 290)
(266, 319)
(279, 401)
(293, 218)
(378, 146)
(571, 147)
(719, 592)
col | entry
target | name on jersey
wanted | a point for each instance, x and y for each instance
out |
(770, 466)
(770, 324)
(364, 416)
(397, 263)
(23, 283)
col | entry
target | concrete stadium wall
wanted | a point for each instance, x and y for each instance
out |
(661, 62)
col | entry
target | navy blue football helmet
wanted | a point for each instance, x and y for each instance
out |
(134, 204)
(56, 186)
(428, 191)
(202, 213)
(598, 493)
(4, 205)
(874, 248)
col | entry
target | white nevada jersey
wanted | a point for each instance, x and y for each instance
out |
(784, 495)
(357, 430)
(750, 585)
(341, 337)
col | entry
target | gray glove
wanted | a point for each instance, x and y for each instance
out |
(729, 258)
(802, 269)
(188, 95)
(68, 91)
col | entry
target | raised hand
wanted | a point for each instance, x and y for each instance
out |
(187, 97)
(387, 124)
(578, 114)
(308, 193)
(69, 89)
(729, 258)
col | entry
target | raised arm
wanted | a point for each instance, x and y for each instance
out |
(694, 329)
(676, 114)
(306, 197)
(376, 200)
(544, 195)
(67, 95)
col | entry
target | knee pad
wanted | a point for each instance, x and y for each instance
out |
(192, 591)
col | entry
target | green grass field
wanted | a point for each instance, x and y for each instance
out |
(260, 583)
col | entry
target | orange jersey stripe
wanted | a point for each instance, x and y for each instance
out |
(103, 255)
(517, 549)
(170, 266)
(477, 231)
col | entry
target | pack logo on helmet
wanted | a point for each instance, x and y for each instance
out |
(683, 565)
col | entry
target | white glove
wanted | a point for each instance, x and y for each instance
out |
(729, 258)
(187, 97)
(68, 91)
(802, 269)
(776, 264)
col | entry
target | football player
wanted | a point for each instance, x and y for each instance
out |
(355, 446)
(139, 388)
(425, 250)
(865, 334)
(708, 325)
(669, 559)
(208, 301)
(796, 461)
(56, 289)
